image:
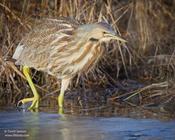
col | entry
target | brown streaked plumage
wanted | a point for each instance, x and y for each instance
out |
(63, 48)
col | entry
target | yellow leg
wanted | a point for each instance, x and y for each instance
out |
(61, 99)
(35, 99)
(64, 85)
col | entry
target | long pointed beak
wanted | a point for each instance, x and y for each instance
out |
(118, 38)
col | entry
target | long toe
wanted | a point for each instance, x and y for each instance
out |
(35, 104)
(24, 101)
(34, 100)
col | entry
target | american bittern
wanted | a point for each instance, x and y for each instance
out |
(63, 48)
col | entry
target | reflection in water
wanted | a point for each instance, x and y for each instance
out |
(28, 120)
(53, 126)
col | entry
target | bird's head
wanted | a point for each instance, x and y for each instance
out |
(101, 32)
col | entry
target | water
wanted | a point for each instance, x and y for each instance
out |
(52, 126)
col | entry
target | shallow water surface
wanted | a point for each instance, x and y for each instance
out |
(41, 125)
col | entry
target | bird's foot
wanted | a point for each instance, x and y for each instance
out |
(61, 110)
(34, 100)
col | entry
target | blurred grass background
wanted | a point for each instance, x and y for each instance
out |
(147, 57)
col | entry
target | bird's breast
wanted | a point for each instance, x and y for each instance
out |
(85, 58)
(79, 58)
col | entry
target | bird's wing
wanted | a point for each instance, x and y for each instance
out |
(47, 30)
(45, 35)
